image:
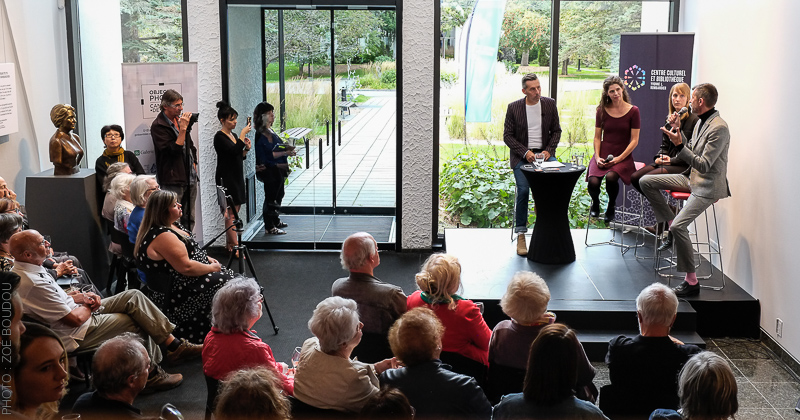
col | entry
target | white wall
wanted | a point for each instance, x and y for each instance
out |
(101, 46)
(33, 35)
(748, 50)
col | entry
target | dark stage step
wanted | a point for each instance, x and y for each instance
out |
(599, 289)
(321, 231)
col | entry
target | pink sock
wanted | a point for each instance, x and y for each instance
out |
(691, 278)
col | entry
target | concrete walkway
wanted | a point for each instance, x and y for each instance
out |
(366, 167)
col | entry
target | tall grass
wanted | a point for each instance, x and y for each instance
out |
(307, 103)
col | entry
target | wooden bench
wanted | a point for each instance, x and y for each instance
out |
(296, 133)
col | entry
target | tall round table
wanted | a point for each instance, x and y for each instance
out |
(551, 242)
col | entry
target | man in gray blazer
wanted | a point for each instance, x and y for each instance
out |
(531, 127)
(707, 154)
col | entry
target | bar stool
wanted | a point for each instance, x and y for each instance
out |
(712, 248)
(625, 216)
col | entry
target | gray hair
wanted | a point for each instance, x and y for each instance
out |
(170, 96)
(529, 78)
(113, 170)
(9, 224)
(708, 93)
(138, 188)
(116, 360)
(356, 250)
(707, 388)
(657, 305)
(526, 298)
(120, 184)
(334, 322)
(235, 305)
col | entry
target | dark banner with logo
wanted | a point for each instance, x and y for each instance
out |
(650, 64)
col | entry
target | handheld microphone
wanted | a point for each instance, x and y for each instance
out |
(683, 110)
(610, 157)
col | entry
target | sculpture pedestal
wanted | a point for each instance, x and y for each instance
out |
(65, 207)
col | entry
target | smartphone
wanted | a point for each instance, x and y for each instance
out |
(248, 120)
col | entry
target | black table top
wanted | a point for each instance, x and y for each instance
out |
(567, 168)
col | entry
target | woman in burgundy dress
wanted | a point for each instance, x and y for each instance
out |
(616, 134)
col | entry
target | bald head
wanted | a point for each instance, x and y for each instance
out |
(120, 365)
(359, 252)
(28, 246)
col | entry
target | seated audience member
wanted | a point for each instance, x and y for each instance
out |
(5, 191)
(326, 377)
(707, 390)
(126, 275)
(389, 403)
(168, 254)
(9, 225)
(231, 344)
(121, 189)
(39, 380)
(109, 198)
(525, 301)
(252, 394)
(379, 303)
(10, 205)
(82, 321)
(644, 369)
(141, 188)
(433, 390)
(465, 345)
(113, 136)
(549, 381)
(119, 373)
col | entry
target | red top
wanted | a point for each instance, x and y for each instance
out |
(465, 331)
(616, 138)
(226, 353)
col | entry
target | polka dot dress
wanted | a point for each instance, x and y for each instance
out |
(190, 298)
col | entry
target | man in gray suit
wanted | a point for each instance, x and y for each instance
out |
(707, 155)
(531, 127)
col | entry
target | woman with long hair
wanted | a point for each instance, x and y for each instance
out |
(272, 166)
(549, 388)
(616, 134)
(231, 153)
(166, 251)
(40, 378)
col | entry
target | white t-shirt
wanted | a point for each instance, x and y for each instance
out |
(46, 301)
(534, 114)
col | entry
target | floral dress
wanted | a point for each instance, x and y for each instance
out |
(190, 298)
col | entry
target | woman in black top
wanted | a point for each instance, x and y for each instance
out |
(231, 152)
(113, 136)
(666, 161)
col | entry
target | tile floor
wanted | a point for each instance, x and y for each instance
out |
(767, 389)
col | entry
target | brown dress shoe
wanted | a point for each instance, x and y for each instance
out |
(522, 249)
(185, 351)
(162, 381)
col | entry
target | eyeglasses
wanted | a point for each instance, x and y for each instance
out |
(113, 136)
(180, 105)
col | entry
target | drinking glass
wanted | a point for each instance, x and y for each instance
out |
(539, 157)
(71, 417)
(296, 357)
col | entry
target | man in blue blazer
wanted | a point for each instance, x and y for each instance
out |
(531, 127)
(707, 154)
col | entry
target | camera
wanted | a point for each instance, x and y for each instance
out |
(192, 120)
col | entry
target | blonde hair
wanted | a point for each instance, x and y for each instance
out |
(440, 277)
(526, 297)
(684, 89)
(253, 393)
(415, 336)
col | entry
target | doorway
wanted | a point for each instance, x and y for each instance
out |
(330, 73)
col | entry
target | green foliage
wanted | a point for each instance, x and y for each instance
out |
(454, 13)
(389, 77)
(477, 190)
(382, 58)
(511, 66)
(590, 30)
(525, 30)
(455, 125)
(305, 106)
(448, 79)
(151, 30)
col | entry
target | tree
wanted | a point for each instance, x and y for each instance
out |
(525, 30)
(151, 30)
(454, 13)
(589, 30)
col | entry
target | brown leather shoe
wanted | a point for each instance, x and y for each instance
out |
(162, 381)
(186, 351)
(522, 249)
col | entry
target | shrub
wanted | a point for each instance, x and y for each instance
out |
(455, 125)
(477, 189)
(447, 79)
(389, 77)
(382, 58)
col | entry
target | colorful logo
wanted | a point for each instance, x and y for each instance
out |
(634, 77)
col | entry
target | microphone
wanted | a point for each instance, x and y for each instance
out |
(610, 157)
(683, 110)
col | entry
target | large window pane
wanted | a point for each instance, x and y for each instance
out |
(151, 31)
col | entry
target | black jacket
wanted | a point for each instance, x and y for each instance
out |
(172, 162)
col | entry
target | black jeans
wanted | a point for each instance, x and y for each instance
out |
(273, 195)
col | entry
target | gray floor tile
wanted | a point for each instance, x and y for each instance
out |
(759, 370)
(788, 414)
(743, 349)
(749, 396)
(779, 394)
(757, 414)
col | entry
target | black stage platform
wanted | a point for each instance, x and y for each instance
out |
(596, 294)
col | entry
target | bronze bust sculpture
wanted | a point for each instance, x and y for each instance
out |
(65, 147)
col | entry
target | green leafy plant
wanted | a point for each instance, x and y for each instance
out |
(448, 79)
(389, 77)
(477, 190)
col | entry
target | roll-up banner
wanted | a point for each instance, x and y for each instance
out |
(650, 64)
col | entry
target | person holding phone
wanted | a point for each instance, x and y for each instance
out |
(231, 153)
(272, 166)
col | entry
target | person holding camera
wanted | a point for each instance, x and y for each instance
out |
(176, 154)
